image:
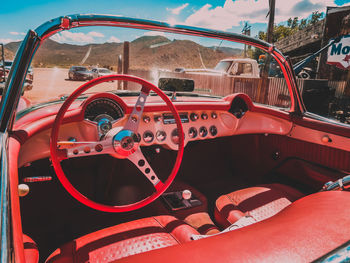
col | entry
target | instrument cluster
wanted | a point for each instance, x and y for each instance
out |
(160, 128)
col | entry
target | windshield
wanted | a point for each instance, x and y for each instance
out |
(69, 59)
(223, 66)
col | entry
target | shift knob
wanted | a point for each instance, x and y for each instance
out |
(186, 194)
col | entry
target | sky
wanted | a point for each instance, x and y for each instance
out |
(18, 16)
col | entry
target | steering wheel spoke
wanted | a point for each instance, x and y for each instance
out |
(136, 114)
(79, 149)
(142, 164)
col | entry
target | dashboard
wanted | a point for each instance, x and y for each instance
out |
(100, 113)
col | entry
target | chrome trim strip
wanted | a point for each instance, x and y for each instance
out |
(5, 244)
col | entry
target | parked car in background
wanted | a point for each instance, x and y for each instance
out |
(28, 85)
(98, 72)
(2, 75)
(8, 65)
(79, 73)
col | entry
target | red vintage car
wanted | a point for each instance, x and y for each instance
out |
(162, 166)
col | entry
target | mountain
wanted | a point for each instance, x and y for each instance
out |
(229, 50)
(146, 52)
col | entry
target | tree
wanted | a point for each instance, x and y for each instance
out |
(315, 17)
(293, 25)
(302, 24)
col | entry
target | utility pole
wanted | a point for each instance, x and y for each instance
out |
(3, 63)
(246, 31)
(126, 62)
(263, 86)
(120, 70)
(271, 15)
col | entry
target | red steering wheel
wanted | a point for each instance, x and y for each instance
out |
(121, 143)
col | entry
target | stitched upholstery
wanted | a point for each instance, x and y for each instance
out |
(125, 240)
(259, 202)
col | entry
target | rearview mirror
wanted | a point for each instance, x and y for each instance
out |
(174, 84)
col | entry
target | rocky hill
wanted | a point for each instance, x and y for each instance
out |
(146, 52)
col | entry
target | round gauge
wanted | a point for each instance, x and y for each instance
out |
(175, 136)
(213, 130)
(103, 107)
(203, 132)
(192, 132)
(148, 136)
(161, 136)
(157, 118)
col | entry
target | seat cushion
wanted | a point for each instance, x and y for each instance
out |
(258, 202)
(125, 240)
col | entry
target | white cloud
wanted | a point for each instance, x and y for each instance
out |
(233, 12)
(177, 10)
(114, 39)
(172, 21)
(8, 40)
(65, 36)
(95, 34)
(154, 33)
(17, 33)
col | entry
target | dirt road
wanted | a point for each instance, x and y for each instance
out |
(52, 83)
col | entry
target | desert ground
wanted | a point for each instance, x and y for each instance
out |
(52, 83)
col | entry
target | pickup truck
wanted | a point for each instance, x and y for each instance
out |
(240, 67)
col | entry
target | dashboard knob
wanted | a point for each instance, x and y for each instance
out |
(186, 194)
(157, 118)
(326, 139)
(214, 115)
(146, 119)
(204, 116)
(194, 116)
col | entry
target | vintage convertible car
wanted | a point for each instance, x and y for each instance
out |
(164, 166)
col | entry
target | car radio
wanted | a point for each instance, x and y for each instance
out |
(169, 118)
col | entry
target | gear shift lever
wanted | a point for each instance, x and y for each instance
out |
(181, 200)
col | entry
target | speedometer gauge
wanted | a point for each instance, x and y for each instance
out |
(105, 107)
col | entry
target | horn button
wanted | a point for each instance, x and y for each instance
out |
(125, 143)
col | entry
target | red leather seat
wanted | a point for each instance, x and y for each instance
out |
(259, 203)
(124, 240)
